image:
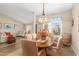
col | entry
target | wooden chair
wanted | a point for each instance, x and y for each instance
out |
(66, 39)
(29, 49)
(55, 50)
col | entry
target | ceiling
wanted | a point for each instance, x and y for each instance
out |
(24, 12)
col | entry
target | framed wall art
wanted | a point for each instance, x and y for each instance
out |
(15, 26)
(8, 26)
(0, 26)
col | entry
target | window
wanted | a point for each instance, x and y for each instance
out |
(55, 25)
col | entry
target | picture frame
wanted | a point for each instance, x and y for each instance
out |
(15, 26)
(8, 26)
(78, 25)
(0, 26)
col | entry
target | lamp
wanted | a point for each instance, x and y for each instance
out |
(43, 19)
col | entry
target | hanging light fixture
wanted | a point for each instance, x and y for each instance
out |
(43, 19)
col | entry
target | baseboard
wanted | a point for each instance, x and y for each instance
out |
(74, 51)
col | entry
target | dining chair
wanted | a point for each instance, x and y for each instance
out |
(55, 50)
(29, 48)
(67, 39)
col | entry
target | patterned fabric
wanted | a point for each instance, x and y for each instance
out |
(7, 34)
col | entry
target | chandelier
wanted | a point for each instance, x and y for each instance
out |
(43, 19)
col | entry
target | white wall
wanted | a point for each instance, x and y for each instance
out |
(75, 30)
(66, 20)
(4, 20)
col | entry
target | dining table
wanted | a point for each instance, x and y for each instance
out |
(43, 44)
